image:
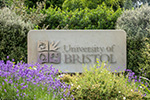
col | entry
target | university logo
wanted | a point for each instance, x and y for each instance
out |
(47, 52)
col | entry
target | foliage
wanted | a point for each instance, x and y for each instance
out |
(144, 63)
(55, 3)
(2, 3)
(128, 4)
(72, 4)
(139, 3)
(135, 22)
(54, 16)
(140, 82)
(138, 56)
(147, 90)
(34, 15)
(100, 18)
(100, 84)
(91, 4)
(137, 25)
(13, 35)
(28, 82)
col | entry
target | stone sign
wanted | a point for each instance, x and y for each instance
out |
(71, 50)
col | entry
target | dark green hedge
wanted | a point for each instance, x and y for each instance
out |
(13, 36)
(100, 18)
(138, 56)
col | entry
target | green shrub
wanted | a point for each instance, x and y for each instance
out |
(144, 65)
(54, 17)
(55, 3)
(128, 4)
(91, 4)
(34, 15)
(137, 25)
(100, 18)
(72, 4)
(13, 35)
(133, 4)
(2, 3)
(100, 84)
(135, 22)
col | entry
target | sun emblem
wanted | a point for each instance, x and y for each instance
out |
(54, 46)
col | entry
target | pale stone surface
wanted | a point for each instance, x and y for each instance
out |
(71, 50)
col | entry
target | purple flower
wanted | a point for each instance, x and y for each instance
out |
(128, 70)
(139, 80)
(22, 84)
(10, 81)
(64, 95)
(42, 75)
(17, 91)
(24, 87)
(7, 57)
(18, 95)
(13, 60)
(6, 80)
(5, 90)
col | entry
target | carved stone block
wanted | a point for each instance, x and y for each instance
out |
(43, 45)
(54, 57)
(43, 57)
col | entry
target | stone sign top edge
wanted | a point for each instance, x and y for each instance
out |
(76, 31)
(79, 30)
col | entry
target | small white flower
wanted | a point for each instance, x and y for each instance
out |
(104, 64)
(34, 68)
(119, 92)
(71, 84)
(61, 75)
(140, 86)
(124, 98)
(131, 90)
(78, 87)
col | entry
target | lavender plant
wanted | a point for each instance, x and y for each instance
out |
(140, 82)
(28, 82)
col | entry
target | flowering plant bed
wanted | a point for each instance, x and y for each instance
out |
(27, 82)
(35, 82)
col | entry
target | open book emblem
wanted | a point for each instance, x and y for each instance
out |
(47, 52)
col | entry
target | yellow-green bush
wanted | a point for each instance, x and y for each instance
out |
(100, 18)
(91, 4)
(100, 84)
